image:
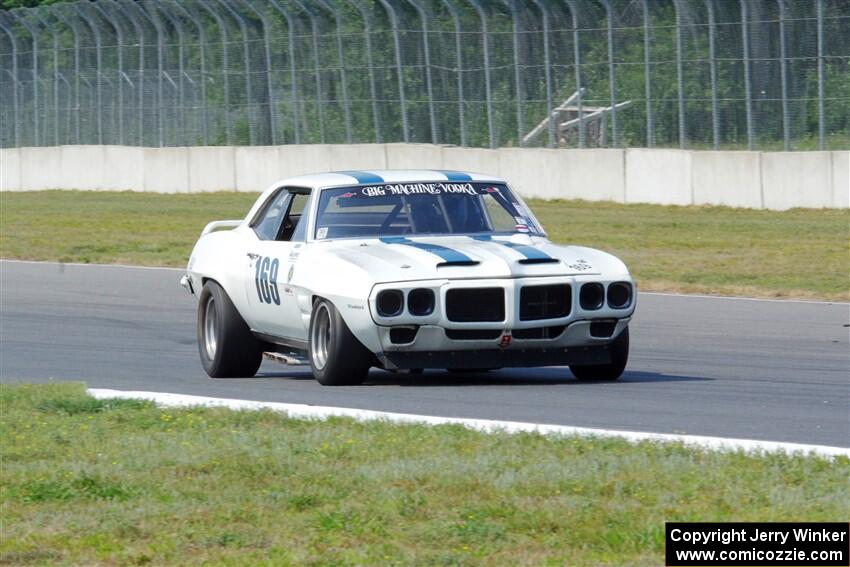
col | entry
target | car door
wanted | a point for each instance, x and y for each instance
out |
(277, 240)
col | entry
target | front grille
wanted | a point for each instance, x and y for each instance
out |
(539, 332)
(483, 304)
(544, 302)
(473, 334)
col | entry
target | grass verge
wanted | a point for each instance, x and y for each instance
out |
(124, 482)
(798, 253)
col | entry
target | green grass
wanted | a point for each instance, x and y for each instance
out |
(122, 227)
(124, 482)
(797, 253)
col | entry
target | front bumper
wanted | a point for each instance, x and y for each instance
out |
(434, 337)
(432, 348)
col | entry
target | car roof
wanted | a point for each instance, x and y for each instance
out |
(375, 176)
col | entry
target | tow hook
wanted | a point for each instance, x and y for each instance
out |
(186, 282)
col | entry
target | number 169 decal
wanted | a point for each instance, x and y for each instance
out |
(265, 279)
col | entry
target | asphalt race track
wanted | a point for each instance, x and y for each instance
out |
(764, 370)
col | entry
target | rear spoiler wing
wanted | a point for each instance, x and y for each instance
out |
(220, 224)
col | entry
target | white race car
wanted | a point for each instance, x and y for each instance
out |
(403, 270)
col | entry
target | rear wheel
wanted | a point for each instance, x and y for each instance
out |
(337, 358)
(227, 347)
(619, 349)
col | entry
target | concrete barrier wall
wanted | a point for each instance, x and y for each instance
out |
(770, 180)
(841, 179)
(796, 179)
(10, 169)
(663, 177)
(726, 178)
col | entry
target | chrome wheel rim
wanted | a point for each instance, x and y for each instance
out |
(320, 336)
(210, 327)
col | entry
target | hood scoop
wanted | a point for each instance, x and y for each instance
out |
(539, 261)
(452, 263)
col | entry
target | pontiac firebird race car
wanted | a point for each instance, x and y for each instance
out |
(403, 270)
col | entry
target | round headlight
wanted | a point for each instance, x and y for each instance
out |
(619, 295)
(591, 296)
(390, 303)
(420, 302)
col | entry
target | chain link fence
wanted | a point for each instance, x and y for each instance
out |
(703, 74)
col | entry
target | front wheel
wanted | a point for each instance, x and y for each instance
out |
(337, 358)
(619, 349)
(227, 347)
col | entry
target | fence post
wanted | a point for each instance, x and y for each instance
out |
(34, 70)
(515, 24)
(35, 13)
(712, 64)
(140, 34)
(57, 13)
(821, 119)
(243, 28)
(423, 15)
(367, 25)
(99, 63)
(783, 69)
(119, 33)
(582, 128)
(745, 29)
(612, 78)
(485, 32)
(314, 28)
(16, 118)
(267, 55)
(225, 64)
(160, 54)
(202, 41)
(680, 84)
(647, 43)
(343, 79)
(290, 23)
(459, 56)
(181, 43)
(544, 11)
(394, 23)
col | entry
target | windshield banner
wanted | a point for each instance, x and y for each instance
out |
(418, 189)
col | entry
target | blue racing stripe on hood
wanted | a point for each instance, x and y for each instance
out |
(447, 254)
(530, 252)
(456, 175)
(363, 176)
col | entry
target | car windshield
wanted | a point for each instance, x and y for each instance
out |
(421, 208)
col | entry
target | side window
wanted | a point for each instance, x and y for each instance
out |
(267, 224)
(298, 218)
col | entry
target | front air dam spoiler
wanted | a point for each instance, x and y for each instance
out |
(495, 358)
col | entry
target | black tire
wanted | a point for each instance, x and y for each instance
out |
(619, 348)
(337, 358)
(232, 350)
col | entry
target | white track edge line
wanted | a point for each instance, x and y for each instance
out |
(304, 411)
(741, 298)
(667, 294)
(81, 264)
